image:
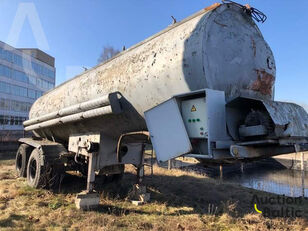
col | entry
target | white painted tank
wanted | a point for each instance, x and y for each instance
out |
(219, 47)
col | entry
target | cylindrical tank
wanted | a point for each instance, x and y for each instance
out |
(219, 47)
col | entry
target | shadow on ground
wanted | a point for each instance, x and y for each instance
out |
(8, 222)
(201, 195)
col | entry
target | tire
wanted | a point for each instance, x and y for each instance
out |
(21, 160)
(116, 178)
(36, 174)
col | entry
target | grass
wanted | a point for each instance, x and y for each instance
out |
(179, 201)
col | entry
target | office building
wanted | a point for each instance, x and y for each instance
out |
(25, 74)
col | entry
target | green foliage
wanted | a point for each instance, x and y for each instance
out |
(55, 204)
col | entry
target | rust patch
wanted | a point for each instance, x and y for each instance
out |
(264, 82)
(212, 7)
(248, 6)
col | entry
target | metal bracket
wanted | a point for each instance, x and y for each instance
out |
(136, 137)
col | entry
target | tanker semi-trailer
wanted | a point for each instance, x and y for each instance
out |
(203, 87)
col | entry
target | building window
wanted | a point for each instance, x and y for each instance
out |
(7, 55)
(4, 104)
(11, 120)
(31, 94)
(5, 88)
(26, 63)
(13, 105)
(17, 60)
(39, 94)
(5, 71)
(32, 80)
(42, 70)
(19, 91)
(3, 120)
(20, 76)
(50, 85)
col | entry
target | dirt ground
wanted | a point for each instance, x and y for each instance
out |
(179, 201)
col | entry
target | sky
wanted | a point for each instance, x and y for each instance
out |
(75, 32)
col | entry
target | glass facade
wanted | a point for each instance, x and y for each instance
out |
(24, 77)
(26, 63)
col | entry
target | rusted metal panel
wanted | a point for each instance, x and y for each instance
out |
(211, 49)
(264, 83)
(292, 119)
(243, 152)
(212, 7)
(286, 119)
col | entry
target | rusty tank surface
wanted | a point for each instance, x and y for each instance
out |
(219, 48)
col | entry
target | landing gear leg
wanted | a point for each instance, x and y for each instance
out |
(140, 174)
(91, 172)
(139, 193)
(89, 199)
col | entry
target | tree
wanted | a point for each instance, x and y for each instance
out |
(107, 53)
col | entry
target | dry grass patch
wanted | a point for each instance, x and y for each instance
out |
(180, 201)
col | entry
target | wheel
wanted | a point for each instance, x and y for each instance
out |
(116, 178)
(21, 161)
(36, 174)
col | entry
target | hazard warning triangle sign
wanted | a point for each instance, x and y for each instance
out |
(193, 108)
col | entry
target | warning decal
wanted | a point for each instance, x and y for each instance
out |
(193, 108)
